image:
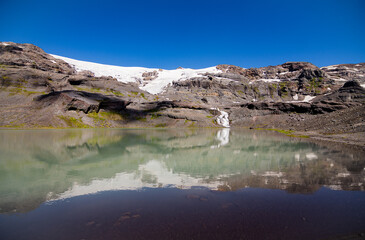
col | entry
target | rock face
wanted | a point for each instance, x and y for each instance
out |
(37, 90)
(81, 101)
(28, 55)
(346, 72)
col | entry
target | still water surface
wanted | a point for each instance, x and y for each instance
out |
(177, 184)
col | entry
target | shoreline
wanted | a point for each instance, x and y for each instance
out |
(356, 140)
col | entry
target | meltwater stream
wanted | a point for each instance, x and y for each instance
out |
(177, 184)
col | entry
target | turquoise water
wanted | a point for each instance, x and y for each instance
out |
(176, 184)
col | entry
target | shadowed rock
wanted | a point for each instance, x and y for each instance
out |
(82, 101)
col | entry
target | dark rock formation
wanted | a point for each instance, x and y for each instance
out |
(148, 76)
(81, 101)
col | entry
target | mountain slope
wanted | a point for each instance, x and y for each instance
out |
(41, 90)
(152, 80)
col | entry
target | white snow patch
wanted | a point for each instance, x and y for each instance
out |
(343, 174)
(332, 67)
(166, 77)
(134, 74)
(334, 187)
(53, 61)
(308, 98)
(311, 156)
(340, 79)
(122, 74)
(270, 80)
(5, 44)
(272, 174)
(362, 85)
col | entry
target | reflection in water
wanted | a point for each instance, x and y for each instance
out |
(223, 137)
(38, 166)
(176, 184)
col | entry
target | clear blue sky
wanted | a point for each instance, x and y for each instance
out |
(190, 33)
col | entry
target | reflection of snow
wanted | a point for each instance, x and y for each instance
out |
(153, 174)
(311, 156)
(343, 174)
(272, 174)
(223, 137)
(333, 187)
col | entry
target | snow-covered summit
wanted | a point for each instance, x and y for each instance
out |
(135, 74)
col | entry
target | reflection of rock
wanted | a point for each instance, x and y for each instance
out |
(43, 165)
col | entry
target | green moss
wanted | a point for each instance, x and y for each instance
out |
(98, 90)
(314, 85)
(102, 117)
(286, 132)
(255, 90)
(240, 92)
(117, 93)
(13, 125)
(143, 119)
(192, 124)
(73, 122)
(209, 116)
(283, 88)
(95, 116)
(3, 66)
(93, 90)
(161, 125)
(154, 116)
(19, 90)
(111, 115)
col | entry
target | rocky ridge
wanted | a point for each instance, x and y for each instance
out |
(39, 90)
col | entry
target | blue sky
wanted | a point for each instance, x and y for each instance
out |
(196, 34)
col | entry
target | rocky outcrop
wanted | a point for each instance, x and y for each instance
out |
(148, 76)
(346, 72)
(31, 56)
(350, 92)
(81, 101)
(225, 68)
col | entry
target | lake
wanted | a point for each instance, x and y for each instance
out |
(177, 184)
